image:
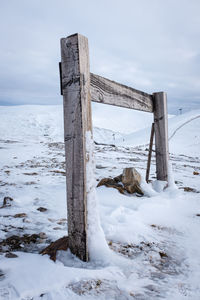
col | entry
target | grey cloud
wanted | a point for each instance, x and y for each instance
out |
(150, 45)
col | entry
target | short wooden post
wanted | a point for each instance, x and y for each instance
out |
(161, 135)
(150, 153)
(77, 120)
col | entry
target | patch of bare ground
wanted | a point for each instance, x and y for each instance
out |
(155, 254)
(59, 172)
(98, 287)
(189, 189)
(25, 243)
(3, 183)
(30, 173)
(56, 146)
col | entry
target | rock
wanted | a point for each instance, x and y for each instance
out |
(2, 275)
(13, 242)
(189, 189)
(105, 181)
(100, 167)
(42, 235)
(42, 209)
(195, 173)
(31, 174)
(26, 221)
(62, 221)
(7, 202)
(51, 220)
(33, 238)
(163, 254)
(131, 176)
(30, 183)
(131, 180)
(21, 215)
(109, 182)
(57, 228)
(10, 255)
(41, 241)
(51, 250)
(118, 178)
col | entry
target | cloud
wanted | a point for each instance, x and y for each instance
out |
(150, 45)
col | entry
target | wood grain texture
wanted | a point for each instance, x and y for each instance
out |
(150, 153)
(77, 120)
(110, 92)
(161, 135)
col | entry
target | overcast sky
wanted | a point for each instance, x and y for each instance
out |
(151, 45)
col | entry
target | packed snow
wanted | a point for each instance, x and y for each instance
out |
(141, 247)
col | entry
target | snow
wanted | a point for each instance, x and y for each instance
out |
(140, 247)
(97, 246)
(120, 119)
(183, 130)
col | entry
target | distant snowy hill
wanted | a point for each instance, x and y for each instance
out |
(120, 119)
(31, 121)
(106, 136)
(39, 121)
(184, 134)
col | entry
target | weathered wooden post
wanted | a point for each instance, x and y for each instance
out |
(75, 73)
(150, 153)
(161, 135)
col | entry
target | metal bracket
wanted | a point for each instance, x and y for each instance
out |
(60, 71)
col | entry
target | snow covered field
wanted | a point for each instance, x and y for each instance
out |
(153, 241)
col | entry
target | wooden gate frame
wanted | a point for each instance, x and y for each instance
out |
(79, 87)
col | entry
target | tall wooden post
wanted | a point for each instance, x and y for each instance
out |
(161, 135)
(75, 75)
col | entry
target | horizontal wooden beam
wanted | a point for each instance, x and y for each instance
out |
(110, 92)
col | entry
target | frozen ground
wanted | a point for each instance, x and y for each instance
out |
(153, 240)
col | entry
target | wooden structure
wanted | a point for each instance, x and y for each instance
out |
(79, 87)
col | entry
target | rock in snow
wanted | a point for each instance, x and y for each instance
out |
(7, 202)
(129, 182)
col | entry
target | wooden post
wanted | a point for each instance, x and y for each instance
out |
(161, 135)
(77, 120)
(150, 152)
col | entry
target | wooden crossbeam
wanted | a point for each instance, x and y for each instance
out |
(110, 92)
